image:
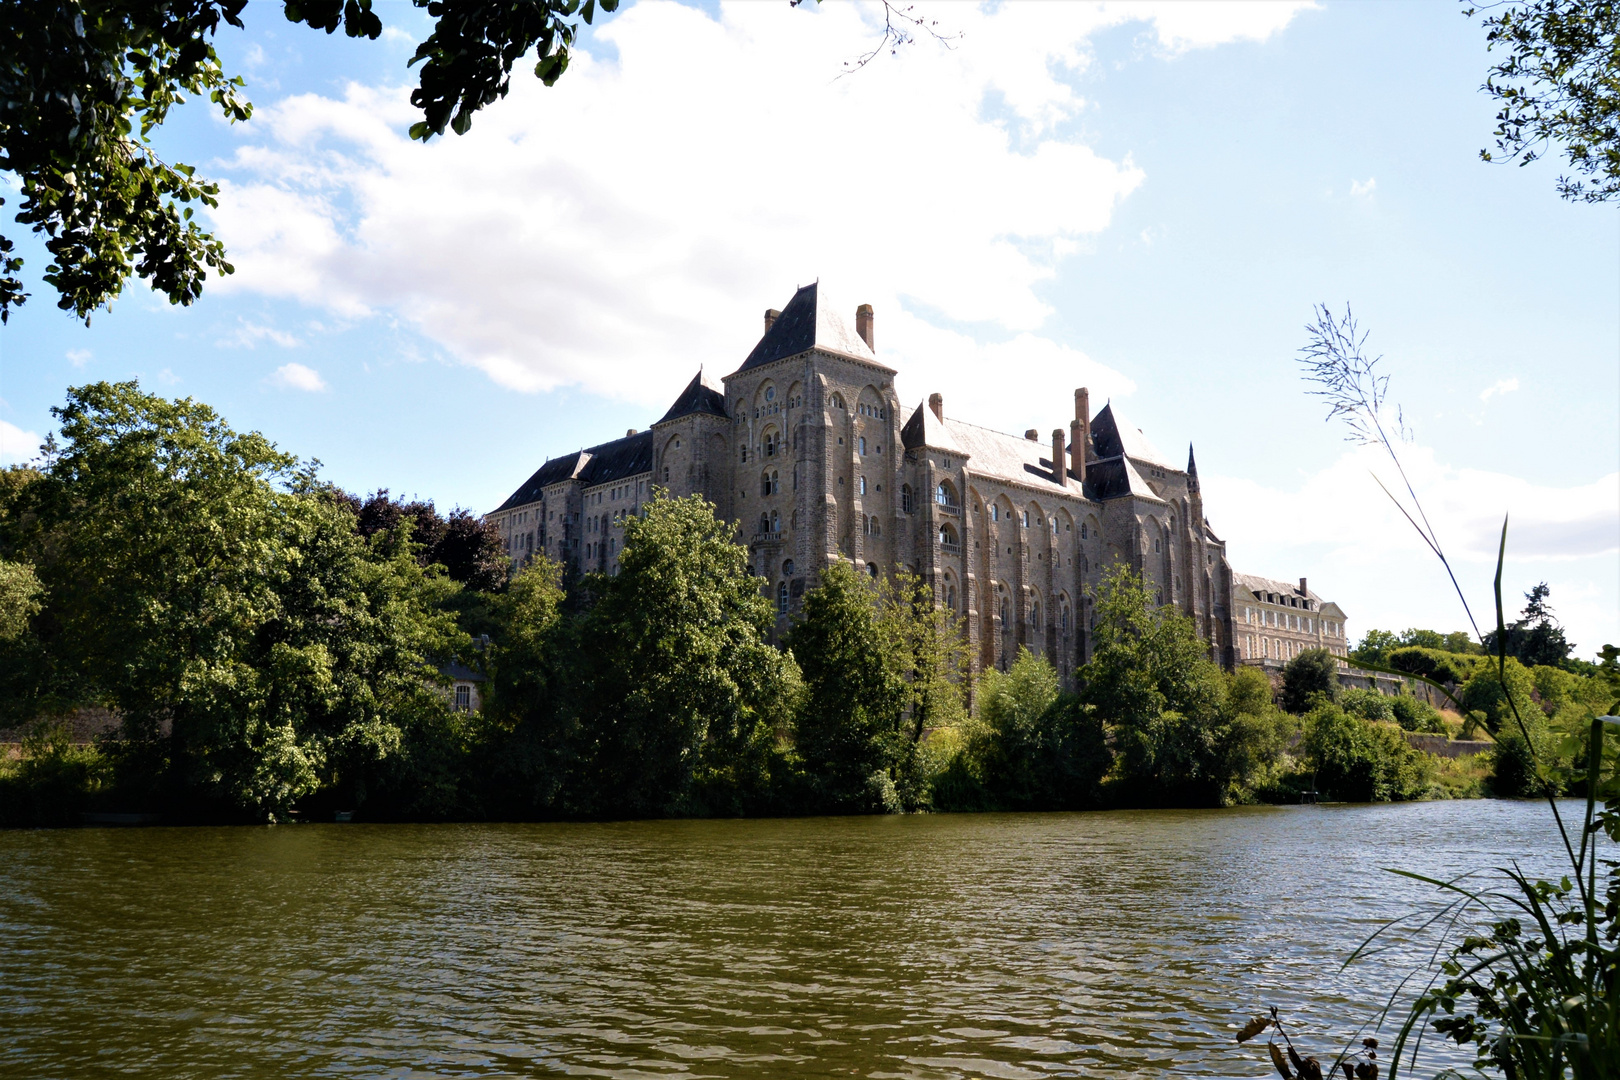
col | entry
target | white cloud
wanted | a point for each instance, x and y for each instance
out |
(248, 335)
(78, 357)
(17, 445)
(297, 377)
(1501, 386)
(634, 220)
(1339, 529)
(1365, 187)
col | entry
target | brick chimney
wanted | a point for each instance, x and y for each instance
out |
(1080, 432)
(1060, 471)
(771, 315)
(1302, 590)
(936, 402)
(629, 433)
(1032, 435)
(863, 325)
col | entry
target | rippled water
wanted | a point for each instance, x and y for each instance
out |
(1121, 944)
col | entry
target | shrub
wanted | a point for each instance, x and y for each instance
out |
(1416, 715)
(1367, 704)
(1436, 664)
(1308, 678)
(1358, 760)
(53, 783)
(1487, 692)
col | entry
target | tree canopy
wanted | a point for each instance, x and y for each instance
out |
(1558, 86)
(85, 83)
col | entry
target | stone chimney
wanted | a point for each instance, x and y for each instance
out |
(863, 325)
(1032, 435)
(771, 315)
(629, 433)
(936, 402)
(1080, 432)
(1060, 471)
(1302, 590)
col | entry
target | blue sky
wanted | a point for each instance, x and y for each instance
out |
(1144, 199)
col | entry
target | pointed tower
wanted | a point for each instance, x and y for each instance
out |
(690, 448)
(1192, 472)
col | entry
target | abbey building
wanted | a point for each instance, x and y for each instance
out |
(807, 446)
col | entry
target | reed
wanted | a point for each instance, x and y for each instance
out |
(1522, 971)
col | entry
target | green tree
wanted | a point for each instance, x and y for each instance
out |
(1556, 85)
(851, 738)
(1311, 676)
(19, 599)
(1360, 760)
(1044, 749)
(682, 698)
(528, 698)
(1367, 704)
(198, 583)
(1375, 648)
(1151, 681)
(928, 639)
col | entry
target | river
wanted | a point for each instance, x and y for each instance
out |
(1018, 946)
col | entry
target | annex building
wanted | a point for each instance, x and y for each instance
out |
(807, 447)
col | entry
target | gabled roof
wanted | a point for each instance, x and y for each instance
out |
(1113, 436)
(698, 397)
(609, 461)
(1257, 585)
(1115, 477)
(1008, 457)
(926, 429)
(805, 324)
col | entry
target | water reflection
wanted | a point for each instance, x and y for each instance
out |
(1017, 946)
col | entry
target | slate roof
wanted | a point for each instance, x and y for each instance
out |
(698, 397)
(602, 464)
(995, 453)
(1113, 477)
(1257, 585)
(805, 324)
(1113, 436)
(926, 429)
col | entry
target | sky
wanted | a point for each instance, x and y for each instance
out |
(1148, 200)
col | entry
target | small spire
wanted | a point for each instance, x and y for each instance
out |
(1192, 470)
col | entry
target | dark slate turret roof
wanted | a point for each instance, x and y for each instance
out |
(698, 397)
(805, 324)
(1112, 436)
(602, 464)
(1115, 477)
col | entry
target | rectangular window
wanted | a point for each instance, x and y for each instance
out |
(463, 697)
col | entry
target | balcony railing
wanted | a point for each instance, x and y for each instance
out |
(947, 508)
(767, 538)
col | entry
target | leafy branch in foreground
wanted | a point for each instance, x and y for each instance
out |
(1559, 83)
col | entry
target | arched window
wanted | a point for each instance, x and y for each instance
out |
(770, 443)
(863, 485)
(905, 498)
(1035, 614)
(945, 493)
(787, 568)
(950, 594)
(1026, 519)
(1004, 622)
(947, 534)
(764, 524)
(837, 401)
(871, 570)
(862, 443)
(781, 598)
(1063, 615)
(995, 512)
(1084, 532)
(776, 522)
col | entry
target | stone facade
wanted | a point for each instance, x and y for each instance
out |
(1275, 621)
(807, 447)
